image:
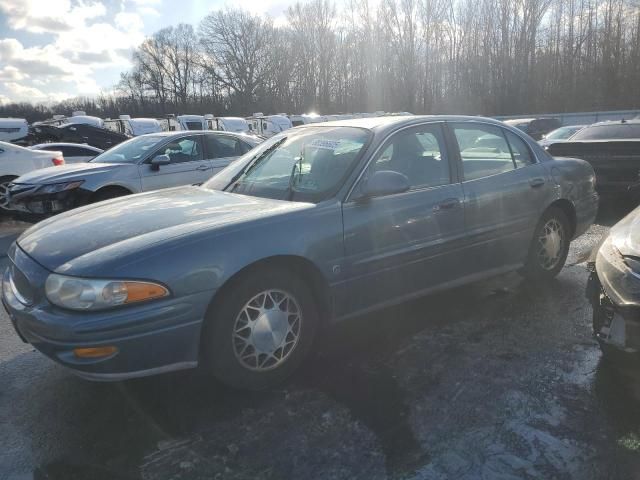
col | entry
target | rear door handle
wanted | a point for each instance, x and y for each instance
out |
(447, 204)
(536, 182)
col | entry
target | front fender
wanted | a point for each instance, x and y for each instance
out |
(207, 259)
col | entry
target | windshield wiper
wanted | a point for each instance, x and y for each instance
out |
(256, 161)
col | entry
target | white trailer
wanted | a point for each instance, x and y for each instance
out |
(268, 125)
(133, 126)
(227, 124)
(12, 129)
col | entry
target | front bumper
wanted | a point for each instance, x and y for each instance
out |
(150, 338)
(614, 293)
(25, 199)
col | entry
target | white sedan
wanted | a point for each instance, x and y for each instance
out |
(72, 152)
(16, 161)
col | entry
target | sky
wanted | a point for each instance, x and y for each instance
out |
(51, 50)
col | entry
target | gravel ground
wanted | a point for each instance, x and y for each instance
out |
(498, 380)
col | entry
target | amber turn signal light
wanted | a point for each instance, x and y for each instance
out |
(94, 352)
(140, 291)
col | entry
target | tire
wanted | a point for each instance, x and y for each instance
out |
(4, 182)
(108, 194)
(237, 335)
(540, 266)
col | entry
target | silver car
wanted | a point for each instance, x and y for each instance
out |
(147, 162)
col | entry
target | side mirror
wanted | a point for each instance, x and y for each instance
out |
(160, 160)
(385, 182)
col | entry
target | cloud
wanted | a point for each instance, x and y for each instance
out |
(128, 21)
(81, 41)
(49, 16)
(11, 74)
(148, 11)
(32, 94)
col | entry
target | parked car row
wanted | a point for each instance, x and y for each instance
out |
(144, 163)
(315, 225)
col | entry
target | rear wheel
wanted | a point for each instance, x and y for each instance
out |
(261, 330)
(4, 190)
(549, 247)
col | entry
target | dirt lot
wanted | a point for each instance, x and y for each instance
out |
(498, 380)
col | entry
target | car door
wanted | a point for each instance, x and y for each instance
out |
(222, 150)
(187, 164)
(401, 244)
(504, 193)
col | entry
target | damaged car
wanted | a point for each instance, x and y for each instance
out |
(147, 162)
(613, 290)
(318, 224)
(92, 135)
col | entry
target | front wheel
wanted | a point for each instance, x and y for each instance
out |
(261, 330)
(4, 190)
(550, 246)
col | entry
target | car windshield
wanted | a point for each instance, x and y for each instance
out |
(309, 164)
(562, 133)
(130, 151)
(616, 131)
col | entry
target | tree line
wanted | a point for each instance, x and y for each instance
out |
(485, 57)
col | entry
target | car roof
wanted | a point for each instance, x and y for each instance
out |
(515, 121)
(392, 121)
(180, 133)
(632, 121)
(67, 144)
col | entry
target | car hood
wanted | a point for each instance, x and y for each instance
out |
(625, 235)
(62, 173)
(128, 226)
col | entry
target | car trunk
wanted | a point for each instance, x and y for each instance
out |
(615, 162)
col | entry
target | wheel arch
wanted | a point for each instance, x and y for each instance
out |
(304, 268)
(108, 189)
(568, 209)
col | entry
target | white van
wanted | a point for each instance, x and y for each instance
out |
(12, 129)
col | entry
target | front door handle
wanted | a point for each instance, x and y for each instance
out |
(536, 182)
(447, 204)
(203, 168)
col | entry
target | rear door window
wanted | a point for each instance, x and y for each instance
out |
(618, 131)
(222, 146)
(521, 153)
(484, 151)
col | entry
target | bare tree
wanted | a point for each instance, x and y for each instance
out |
(237, 51)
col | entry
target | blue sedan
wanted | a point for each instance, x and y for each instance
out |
(318, 224)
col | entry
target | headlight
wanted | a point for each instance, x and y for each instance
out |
(60, 187)
(88, 294)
